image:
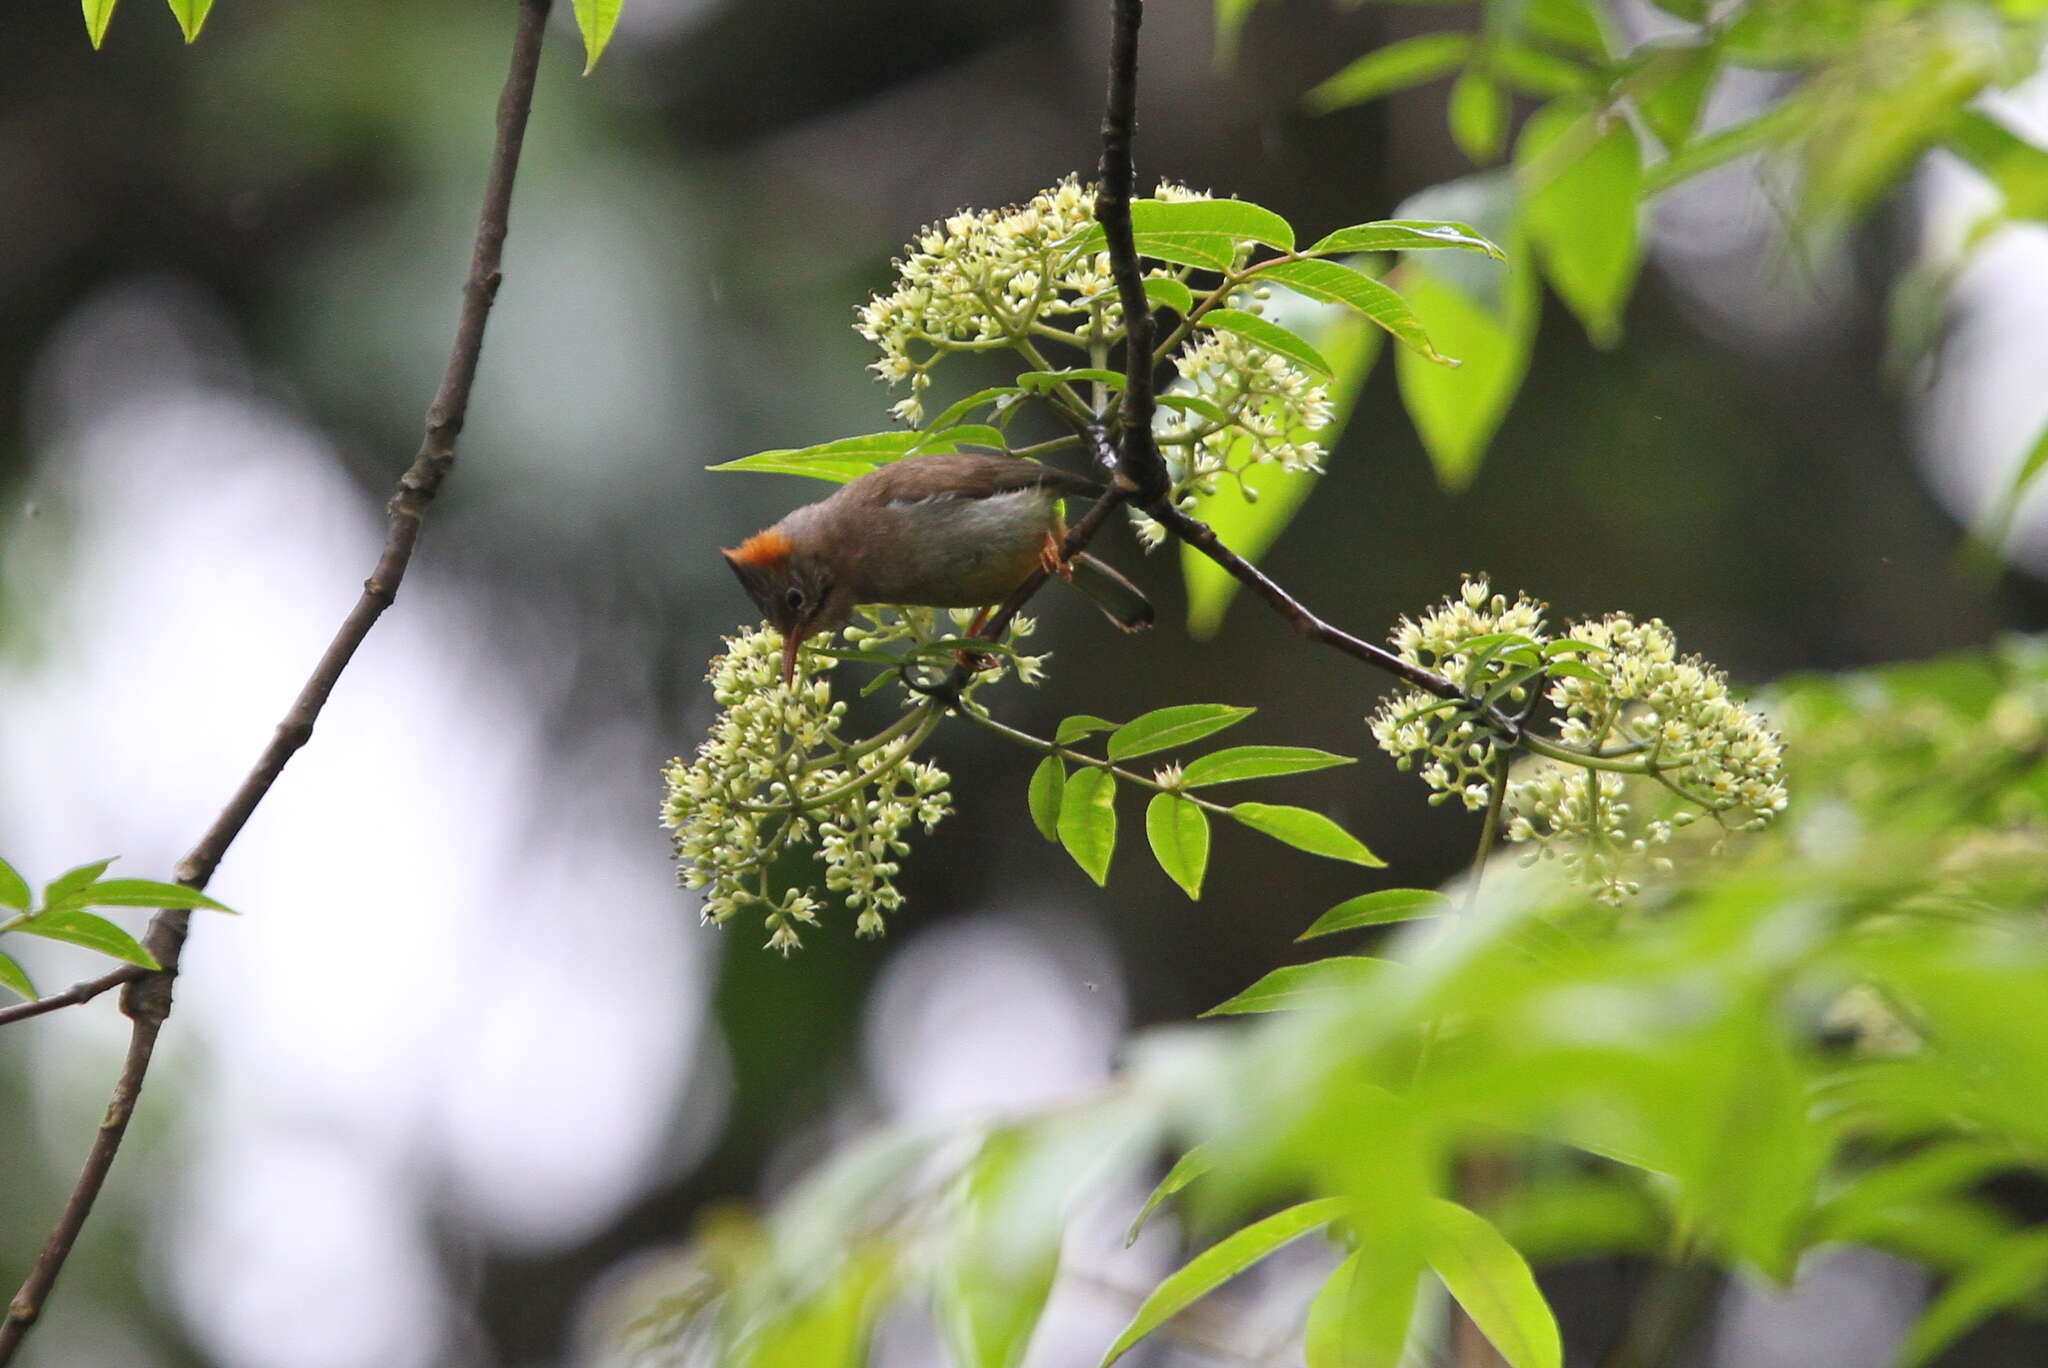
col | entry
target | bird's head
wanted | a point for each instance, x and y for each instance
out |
(795, 591)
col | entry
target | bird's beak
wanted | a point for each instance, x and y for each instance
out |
(791, 640)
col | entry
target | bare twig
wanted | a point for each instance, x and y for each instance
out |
(147, 996)
(76, 993)
(1142, 472)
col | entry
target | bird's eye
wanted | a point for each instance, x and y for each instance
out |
(795, 599)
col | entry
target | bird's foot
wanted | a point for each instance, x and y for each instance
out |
(1052, 562)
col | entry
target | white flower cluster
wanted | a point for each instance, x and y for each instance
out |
(1451, 742)
(774, 770)
(1640, 699)
(979, 281)
(919, 629)
(1626, 700)
(1257, 407)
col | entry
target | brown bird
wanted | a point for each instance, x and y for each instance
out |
(942, 531)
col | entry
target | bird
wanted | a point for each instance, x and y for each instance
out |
(946, 530)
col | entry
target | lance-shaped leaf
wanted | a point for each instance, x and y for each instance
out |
(1185, 1170)
(1269, 335)
(57, 890)
(1238, 763)
(1405, 235)
(1291, 986)
(94, 933)
(1327, 280)
(1582, 187)
(1396, 66)
(1201, 233)
(14, 978)
(13, 888)
(596, 19)
(191, 15)
(1378, 909)
(1080, 725)
(1493, 1283)
(1179, 834)
(1047, 782)
(1087, 820)
(1306, 830)
(139, 893)
(98, 14)
(1360, 1317)
(840, 461)
(1166, 728)
(1220, 1263)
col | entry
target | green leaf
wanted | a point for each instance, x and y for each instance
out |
(1327, 280)
(1582, 187)
(1239, 219)
(1405, 235)
(1044, 796)
(13, 888)
(1672, 88)
(1250, 525)
(1378, 909)
(840, 461)
(1087, 820)
(1359, 1319)
(15, 980)
(1198, 404)
(1575, 23)
(1238, 763)
(1306, 830)
(1039, 381)
(964, 434)
(1220, 1263)
(1493, 1283)
(1396, 66)
(2008, 1274)
(1080, 725)
(596, 19)
(191, 15)
(830, 1328)
(1269, 335)
(1997, 525)
(1206, 234)
(979, 399)
(1484, 316)
(1171, 294)
(94, 933)
(994, 1280)
(1179, 833)
(71, 880)
(98, 14)
(1315, 984)
(141, 893)
(1479, 116)
(2015, 166)
(1533, 71)
(1185, 1170)
(1166, 728)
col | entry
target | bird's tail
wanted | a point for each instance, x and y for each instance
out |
(1117, 597)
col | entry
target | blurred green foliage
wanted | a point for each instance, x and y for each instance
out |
(1836, 1037)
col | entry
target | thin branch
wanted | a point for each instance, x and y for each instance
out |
(147, 997)
(75, 994)
(1203, 538)
(1142, 472)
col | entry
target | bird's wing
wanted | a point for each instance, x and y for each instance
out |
(963, 475)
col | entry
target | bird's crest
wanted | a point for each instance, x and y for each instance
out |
(768, 550)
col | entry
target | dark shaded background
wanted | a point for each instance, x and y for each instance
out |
(275, 221)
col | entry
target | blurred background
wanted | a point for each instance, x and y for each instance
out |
(468, 1060)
